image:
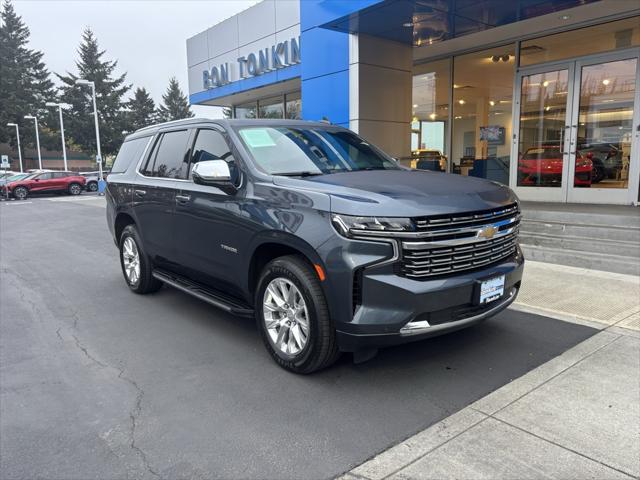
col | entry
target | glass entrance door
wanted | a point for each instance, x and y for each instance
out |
(576, 136)
(542, 138)
(603, 131)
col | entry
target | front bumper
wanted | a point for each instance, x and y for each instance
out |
(391, 303)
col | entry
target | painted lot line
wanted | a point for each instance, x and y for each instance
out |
(10, 202)
(74, 199)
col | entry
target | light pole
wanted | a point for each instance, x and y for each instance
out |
(81, 81)
(35, 120)
(18, 138)
(64, 148)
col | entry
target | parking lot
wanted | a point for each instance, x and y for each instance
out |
(97, 382)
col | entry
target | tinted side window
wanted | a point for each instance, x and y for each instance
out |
(130, 151)
(60, 174)
(45, 176)
(210, 145)
(169, 158)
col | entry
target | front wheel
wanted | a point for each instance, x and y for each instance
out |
(75, 189)
(293, 316)
(136, 266)
(92, 186)
(20, 193)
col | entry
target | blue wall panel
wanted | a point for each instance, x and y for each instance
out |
(327, 97)
(325, 59)
(249, 83)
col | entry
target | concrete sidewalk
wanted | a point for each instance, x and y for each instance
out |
(577, 416)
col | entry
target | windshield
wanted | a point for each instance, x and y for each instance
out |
(543, 153)
(311, 151)
(15, 178)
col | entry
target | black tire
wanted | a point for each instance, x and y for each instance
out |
(92, 187)
(597, 173)
(145, 282)
(75, 189)
(20, 193)
(321, 348)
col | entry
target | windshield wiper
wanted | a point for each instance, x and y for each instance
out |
(298, 174)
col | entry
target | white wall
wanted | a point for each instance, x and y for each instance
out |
(380, 90)
(261, 26)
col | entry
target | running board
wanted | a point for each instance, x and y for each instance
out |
(213, 297)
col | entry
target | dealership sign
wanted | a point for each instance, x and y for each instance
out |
(264, 60)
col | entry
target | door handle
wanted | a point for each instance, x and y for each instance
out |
(140, 193)
(183, 198)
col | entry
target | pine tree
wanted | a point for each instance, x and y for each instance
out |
(141, 110)
(109, 97)
(25, 85)
(175, 104)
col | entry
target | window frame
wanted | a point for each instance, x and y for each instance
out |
(153, 152)
(225, 137)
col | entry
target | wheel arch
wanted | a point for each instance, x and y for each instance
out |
(265, 249)
(122, 220)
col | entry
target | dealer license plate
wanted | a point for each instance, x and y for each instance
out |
(491, 289)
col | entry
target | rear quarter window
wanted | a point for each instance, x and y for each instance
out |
(130, 152)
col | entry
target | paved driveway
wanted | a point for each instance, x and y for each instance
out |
(97, 382)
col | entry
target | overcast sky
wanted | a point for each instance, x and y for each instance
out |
(147, 37)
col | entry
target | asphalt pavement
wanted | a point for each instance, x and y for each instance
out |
(96, 382)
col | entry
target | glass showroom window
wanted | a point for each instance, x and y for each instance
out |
(294, 106)
(430, 116)
(271, 107)
(248, 110)
(482, 102)
(584, 41)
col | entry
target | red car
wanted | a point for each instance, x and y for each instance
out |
(542, 167)
(44, 182)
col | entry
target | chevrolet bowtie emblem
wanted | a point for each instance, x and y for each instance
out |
(487, 232)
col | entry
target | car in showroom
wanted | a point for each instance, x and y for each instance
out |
(45, 182)
(326, 240)
(542, 166)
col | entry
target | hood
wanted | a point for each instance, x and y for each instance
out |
(404, 193)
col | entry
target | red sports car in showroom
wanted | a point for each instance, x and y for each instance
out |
(542, 167)
(46, 182)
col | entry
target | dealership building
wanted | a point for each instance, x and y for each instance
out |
(541, 95)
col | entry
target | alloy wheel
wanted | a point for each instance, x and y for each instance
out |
(131, 260)
(286, 316)
(20, 193)
(75, 189)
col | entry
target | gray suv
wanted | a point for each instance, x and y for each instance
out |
(326, 240)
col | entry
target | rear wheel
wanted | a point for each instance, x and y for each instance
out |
(20, 193)
(136, 266)
(75, 189)
(293, 317)
(92, 186)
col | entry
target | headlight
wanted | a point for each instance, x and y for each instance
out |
(348, 225)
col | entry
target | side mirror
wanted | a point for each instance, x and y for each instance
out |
(215, 173)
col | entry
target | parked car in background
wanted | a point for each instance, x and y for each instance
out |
(429, 160)
(45, 182)
(542, 166)
(329, 242)
(92, 181)
(606, 159)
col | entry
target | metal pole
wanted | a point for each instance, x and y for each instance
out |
(95, 115)
(64, 148)
(35, 119)
(19, 151)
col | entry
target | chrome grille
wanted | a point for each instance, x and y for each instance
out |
(448, 249)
